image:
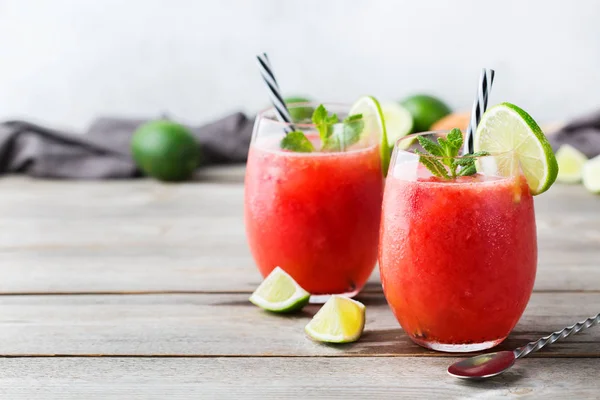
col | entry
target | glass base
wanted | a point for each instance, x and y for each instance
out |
(322, 298)
(458, 348)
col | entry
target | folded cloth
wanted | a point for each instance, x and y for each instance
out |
(582, 133)
(103, 151)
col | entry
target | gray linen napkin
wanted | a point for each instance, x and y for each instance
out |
(103, 151)
(583, 133)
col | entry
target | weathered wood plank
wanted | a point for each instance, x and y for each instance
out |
(285, 378)
(214, 265)
(128, 236)
(228, 325)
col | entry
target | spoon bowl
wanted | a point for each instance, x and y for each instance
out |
(483, 366)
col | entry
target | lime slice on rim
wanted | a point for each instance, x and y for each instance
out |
(279, 292)
(371, 110)
(507, 128)
(570, 162)
(340, 320)
(591, 175)
(398, 123)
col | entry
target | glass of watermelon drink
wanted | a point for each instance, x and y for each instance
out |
(458, 254)
(315, 214)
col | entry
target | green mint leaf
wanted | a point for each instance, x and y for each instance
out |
(446, 147)
(469, 158)
(298, 142)
(353, 127)
(455, 140)
(447, 150)
(433, 165)
(463, 162)
(431, 147)
(352, 118)
(468, 163)
(348, 135)
(324, 122)
(468, 170)
(319, 115)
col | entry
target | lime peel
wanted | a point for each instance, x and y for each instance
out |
(280, 293)
(368, 106)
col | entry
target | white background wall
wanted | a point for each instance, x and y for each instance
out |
(66, 61)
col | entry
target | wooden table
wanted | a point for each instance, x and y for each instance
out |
(136, 289)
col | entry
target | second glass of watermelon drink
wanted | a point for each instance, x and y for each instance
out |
(314, 214)
(457, 256)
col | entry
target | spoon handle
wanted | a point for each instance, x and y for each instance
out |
(546, 340)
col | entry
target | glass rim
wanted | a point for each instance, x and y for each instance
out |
(262, 115)
(439, 132)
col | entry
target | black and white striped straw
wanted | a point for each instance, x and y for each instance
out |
(479, 106)
(283, 114)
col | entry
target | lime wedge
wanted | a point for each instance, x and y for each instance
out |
(369, 107)
(340, 320)
(279, 292)
(570, 162)
(507, 128)
(398, 123)
(591, 175)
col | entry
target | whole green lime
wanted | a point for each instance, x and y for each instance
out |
(299, 113)
(165, 150)
(425, 110)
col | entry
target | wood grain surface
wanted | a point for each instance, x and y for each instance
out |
(138, 290)
(228, 325)
(287, 378)
(140, 236)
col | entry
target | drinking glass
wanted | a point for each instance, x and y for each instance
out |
(316, 215)
(457, 257)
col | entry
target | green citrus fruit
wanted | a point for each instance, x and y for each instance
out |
(299, 113)
(165, 150)
(426, 110)
(517, 140)
(570, 164)
(280, 293)
(372, 111)
(340, 320)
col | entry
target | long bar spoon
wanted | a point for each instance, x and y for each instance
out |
(492, 364)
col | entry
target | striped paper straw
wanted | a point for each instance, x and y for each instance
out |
(283, 114)
(479, 106)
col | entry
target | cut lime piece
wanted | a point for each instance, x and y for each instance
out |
(570, 162)
(279, 292)
(505, 128)
(371, 110)
(398, 123)
(340, 320)
(591, 175)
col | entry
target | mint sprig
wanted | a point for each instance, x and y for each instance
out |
(298, 142)
(442, 158)
(324, 122)
(334, 136)
(346, 135)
